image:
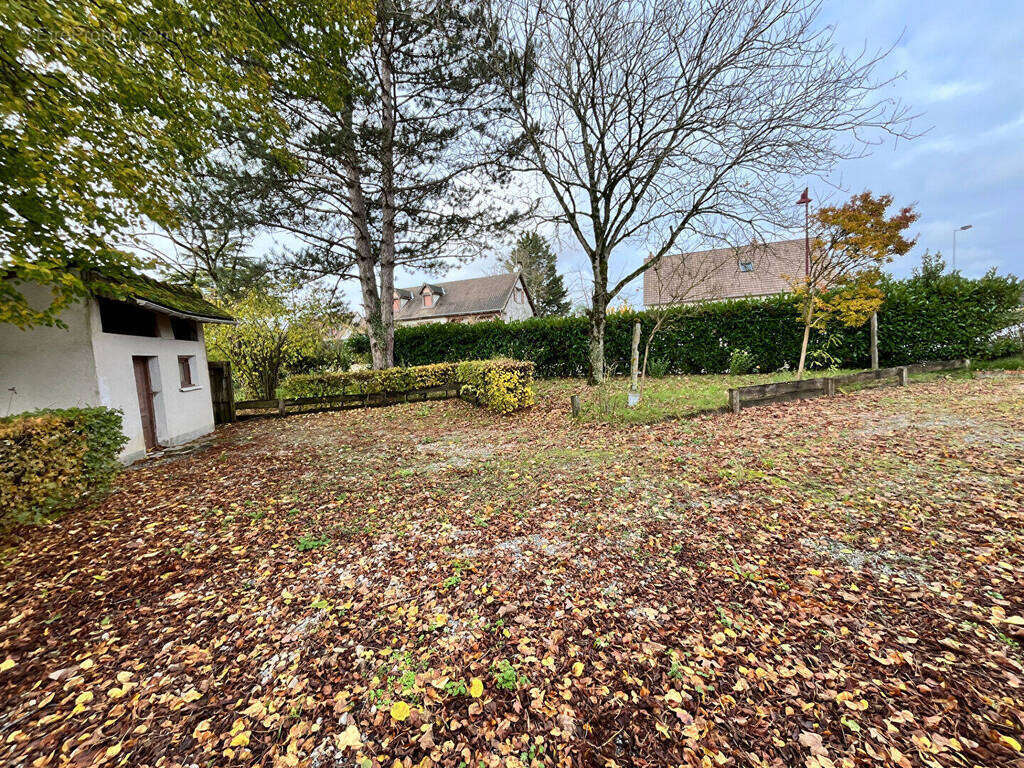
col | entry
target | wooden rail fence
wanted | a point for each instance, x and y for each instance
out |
(780, 392)
(284, 406)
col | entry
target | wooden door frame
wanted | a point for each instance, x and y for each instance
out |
(149, 437)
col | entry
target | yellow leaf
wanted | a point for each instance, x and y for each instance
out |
(1009, 741)
(83, 698)
(350, 738)
(241, 739)
(1018, 620)
(115, 693)
(577, 668)
(124, 677)
(6, 664)
(399, 710)
(113, 751)
(674, 697)
(191, 695)
(476, 687)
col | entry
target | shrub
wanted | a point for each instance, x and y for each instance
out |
(740, 362)
(925, 317)
(52, 460)
(501, 385)
(372, 382)
(658, 367)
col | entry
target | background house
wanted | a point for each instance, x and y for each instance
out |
(764, 269)
(144, 356)
(496, 297)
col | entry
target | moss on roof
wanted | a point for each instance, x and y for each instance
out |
(177, 298)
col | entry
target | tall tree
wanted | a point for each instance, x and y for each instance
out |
(105, 102)
(402, 170)
(851, 244)
(208, 243)
(655, 121)
(532, 255)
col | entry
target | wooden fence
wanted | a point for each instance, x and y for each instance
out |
(284, 406)
(780, 392)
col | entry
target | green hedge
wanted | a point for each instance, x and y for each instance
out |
(51, 460)
(500, 384)
(925, 317)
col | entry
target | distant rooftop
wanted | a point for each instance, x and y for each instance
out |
(763, 269)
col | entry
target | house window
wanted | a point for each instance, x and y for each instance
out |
(185, 363)
(746, 265)
(518, 295)
(184, 329)
(428, 300)
(128, 319)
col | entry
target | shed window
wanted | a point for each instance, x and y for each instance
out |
(746, 265)
(185, 370)
(129, 319)
(184, 329)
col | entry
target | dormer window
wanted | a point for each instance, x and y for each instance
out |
(746, 265)
(428, 299)
(397, 304)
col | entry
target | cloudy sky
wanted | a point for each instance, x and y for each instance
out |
(964, 73)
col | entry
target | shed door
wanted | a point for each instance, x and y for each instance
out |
(145, 389)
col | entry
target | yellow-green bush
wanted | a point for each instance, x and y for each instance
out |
(52, 460)
(501, 385)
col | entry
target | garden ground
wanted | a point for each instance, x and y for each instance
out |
(834, 582)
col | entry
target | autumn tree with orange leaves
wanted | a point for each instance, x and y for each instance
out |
(851, 243)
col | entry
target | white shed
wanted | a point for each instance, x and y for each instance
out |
(144, 355)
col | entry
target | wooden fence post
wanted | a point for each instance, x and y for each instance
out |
(830, 387)
(280, 406)
(734, 400)
(574, 403)
(874, 341)
(634, 368)
(902, 373)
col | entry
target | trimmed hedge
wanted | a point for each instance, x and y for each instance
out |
(50, 460)
(501, 385)
(926, 317)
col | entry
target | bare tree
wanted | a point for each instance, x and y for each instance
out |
(654, 120)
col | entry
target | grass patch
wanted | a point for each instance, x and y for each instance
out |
(670, 397)
(1010, 363)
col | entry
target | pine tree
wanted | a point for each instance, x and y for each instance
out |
(403, 169)
(532, 255)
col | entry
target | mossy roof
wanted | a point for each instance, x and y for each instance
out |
(181, 299)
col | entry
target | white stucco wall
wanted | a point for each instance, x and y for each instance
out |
(180, 414)
(48, 367)
(517, 310)
(83, 366)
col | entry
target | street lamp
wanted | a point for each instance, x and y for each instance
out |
(958, 229)
(805, 201)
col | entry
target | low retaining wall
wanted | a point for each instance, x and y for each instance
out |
(783, 391)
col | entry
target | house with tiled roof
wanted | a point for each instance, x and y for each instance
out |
(495, 297)
(763, 269)
(135, 344)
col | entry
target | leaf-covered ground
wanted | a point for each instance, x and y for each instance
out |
(830, 583)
